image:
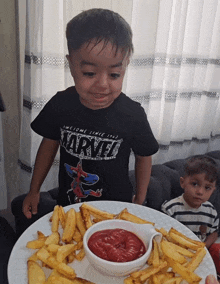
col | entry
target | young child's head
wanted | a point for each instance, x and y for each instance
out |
(100, 45)
(199, 180)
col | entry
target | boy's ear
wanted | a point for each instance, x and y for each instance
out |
(215, 186)
(127, 61)
(181, 181)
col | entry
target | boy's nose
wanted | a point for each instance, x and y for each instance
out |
(200, 190)
(102, 81)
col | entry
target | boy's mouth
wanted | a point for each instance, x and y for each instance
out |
(198, 199)
(99, 96)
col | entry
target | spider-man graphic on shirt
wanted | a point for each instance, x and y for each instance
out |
(80, 177)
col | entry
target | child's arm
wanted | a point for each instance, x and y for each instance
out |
(142, 175)
(211, 239)
(44, 159)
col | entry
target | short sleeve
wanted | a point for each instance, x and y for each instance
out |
(143, 140)
(45, 124)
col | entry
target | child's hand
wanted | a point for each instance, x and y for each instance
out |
(136, 200)
(30, 204)
(210, 279)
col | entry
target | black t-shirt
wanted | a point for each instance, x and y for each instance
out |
(95, 145)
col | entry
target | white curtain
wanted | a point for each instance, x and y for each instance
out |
(174, 72)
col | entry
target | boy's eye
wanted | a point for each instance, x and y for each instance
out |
(115, 75)
(89, 74)
(208, 188)
(194, 183)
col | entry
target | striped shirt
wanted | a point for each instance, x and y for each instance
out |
(203, 221)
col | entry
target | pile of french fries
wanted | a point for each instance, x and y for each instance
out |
(172, 261)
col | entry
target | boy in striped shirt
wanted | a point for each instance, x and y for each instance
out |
(192, 208)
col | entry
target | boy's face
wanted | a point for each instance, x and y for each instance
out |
(197, 189)
(98, 74)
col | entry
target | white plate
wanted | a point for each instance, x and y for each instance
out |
(17, 265)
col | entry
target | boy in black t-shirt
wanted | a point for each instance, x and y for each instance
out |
(93, 123)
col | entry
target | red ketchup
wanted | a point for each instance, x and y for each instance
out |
(116, 245)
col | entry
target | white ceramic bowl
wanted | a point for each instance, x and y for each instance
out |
(145, 232)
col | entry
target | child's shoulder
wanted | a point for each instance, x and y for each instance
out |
(129, 106)
(173, 202)
(64, 100)
(66, 95)
(208, 206)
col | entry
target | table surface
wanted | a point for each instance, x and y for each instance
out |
(17, 265)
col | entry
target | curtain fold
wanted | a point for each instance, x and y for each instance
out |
(174, 72)
(178, 84)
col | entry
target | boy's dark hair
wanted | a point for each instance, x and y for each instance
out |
(201, 164)
(100, 25)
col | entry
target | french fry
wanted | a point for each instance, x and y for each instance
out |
(79, 256)
(53, 248)
(183, 242)
(57, 278)
(55, 219)
(198, 243)
(35, 244)
(163, 277)
(62, 216)
(186, 274)
(128, 280)
(77, 235)
(86, 217)
(43, 254)
(162, 231)
(97, 218)
(182, 250)
(80, 223)
(61, 267)
(71, 257)
(179, 280)
(155, 260)
(79, 245)
(36, 274)
(169, 251)
(197, 259)
(54, 238)
(150, 259)
(70, 226)
(151, 271)
(64, 251)
(96, 211)
(133, 218)
(155, 279)
(33, 257)
(41, 235)
(172, 280)
(160, 250)
(79, 280)
(66, 270)
(118, 216)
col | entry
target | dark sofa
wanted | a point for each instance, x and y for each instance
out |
(7, 241)
(164, 185)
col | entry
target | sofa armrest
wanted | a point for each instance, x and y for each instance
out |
(46, 205)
